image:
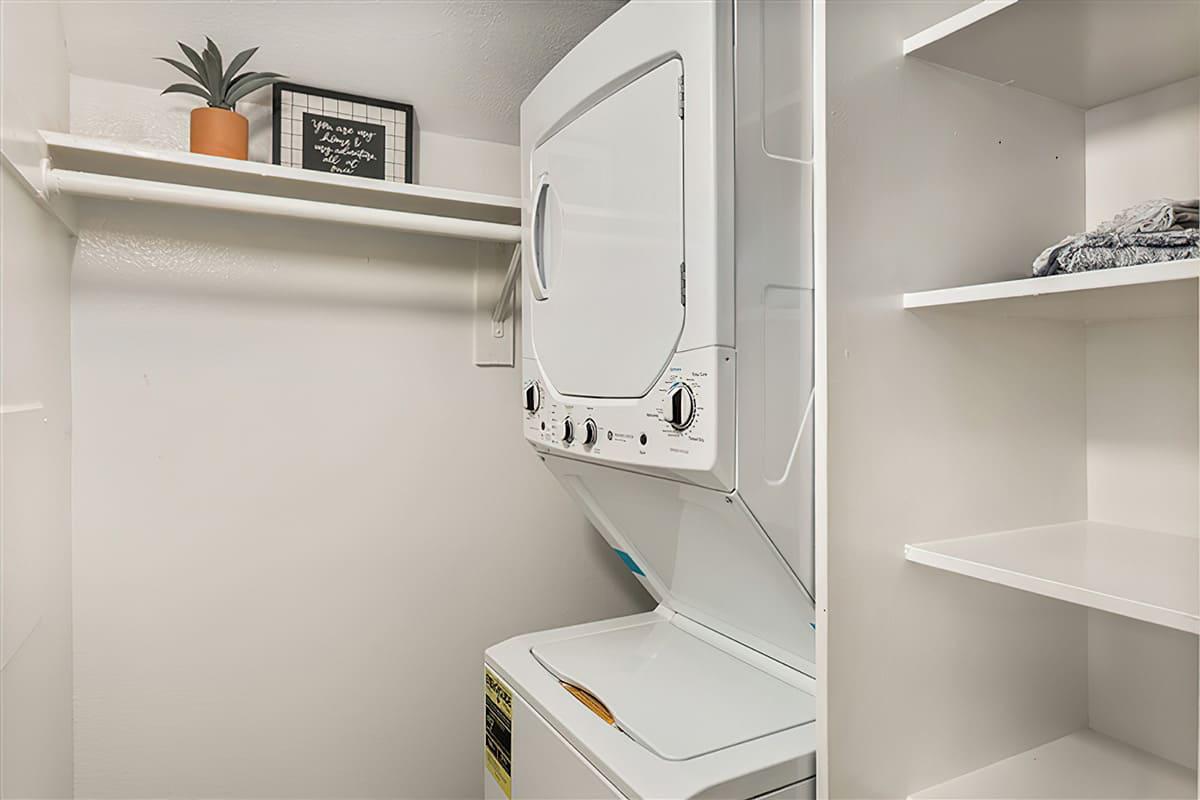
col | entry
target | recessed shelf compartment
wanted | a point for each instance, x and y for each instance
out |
(1167, 289)
(1135, 573)
(1082, 764)
(1082, 52)
(92, 167)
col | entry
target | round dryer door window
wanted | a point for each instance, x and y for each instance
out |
(607, 240)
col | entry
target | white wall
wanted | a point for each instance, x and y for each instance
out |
(301, 513)
(1143, 456)
(1143, 147)
(136, 114)
(35, 539)
(33, 80)
(465, 66)
(468, 164)
(1142, 460)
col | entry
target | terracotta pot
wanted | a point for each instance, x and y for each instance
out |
(220, 132)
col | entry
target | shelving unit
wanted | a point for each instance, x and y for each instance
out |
(992, 401)
(1135, 573)
(1082, 764)
(1140, 292)
(1084, 54)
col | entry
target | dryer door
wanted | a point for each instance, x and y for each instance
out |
(607, 241)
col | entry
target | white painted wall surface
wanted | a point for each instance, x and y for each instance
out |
(470, 164)
(1143, 147)
(33, 79)
(301, 513)
(465, 66)
(1142, 414)
(1143, 459)
(35, 500)
(942, 424)
(136, 114)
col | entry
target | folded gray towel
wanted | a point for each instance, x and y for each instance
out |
(1094, 251)
(1162, 214)
(1137, 235)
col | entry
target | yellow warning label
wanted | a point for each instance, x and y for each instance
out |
(497, 739)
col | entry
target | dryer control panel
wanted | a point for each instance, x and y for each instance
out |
(682, 428)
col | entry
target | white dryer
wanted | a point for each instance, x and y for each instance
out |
(669, 170)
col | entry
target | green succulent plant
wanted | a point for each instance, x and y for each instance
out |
(220, 87)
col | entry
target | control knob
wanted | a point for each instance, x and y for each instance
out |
(567, 431)
(680, 406)
(533, 397)
(590, 432)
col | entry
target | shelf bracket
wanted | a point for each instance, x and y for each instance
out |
(495, 294)
(504, 303)
(33, 180)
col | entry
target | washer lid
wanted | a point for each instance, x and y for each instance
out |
(676, 695)
(606, 263)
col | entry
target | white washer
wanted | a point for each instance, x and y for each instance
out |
(668, 185)
(693, 715)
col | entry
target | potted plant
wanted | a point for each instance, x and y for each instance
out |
(218, 129)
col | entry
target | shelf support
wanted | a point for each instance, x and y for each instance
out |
(495, 289)
(33, 181)
(504, 303)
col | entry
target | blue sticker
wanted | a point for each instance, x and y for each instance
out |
(629, 562)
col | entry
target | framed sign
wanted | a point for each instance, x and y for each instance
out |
(342, 133)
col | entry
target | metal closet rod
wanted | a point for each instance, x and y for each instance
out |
(116, 187)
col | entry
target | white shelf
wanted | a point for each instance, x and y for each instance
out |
(86, 167)
(1148, 290)
(1082, 764)
(1135, 573)
(1082, 52)
(94, 167)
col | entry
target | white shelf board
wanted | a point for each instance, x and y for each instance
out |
(1135, 573)
(1082, 52)
(1167, 289)
(1084, 764)
(96, 156)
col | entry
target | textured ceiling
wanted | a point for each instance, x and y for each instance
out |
(465, 65)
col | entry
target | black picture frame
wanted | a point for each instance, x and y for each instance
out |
(277, 150)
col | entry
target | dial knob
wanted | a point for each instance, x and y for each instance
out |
(680, 406)
(567, 430)
(533, 397)
(590, 433)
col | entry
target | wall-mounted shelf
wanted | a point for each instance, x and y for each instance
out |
(1082, 764)
(103, 161)
(1083, 53)
(1146, 291)
(1141, 574)
(81, 166)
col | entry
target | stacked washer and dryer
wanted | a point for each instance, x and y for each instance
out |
(671, 170)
